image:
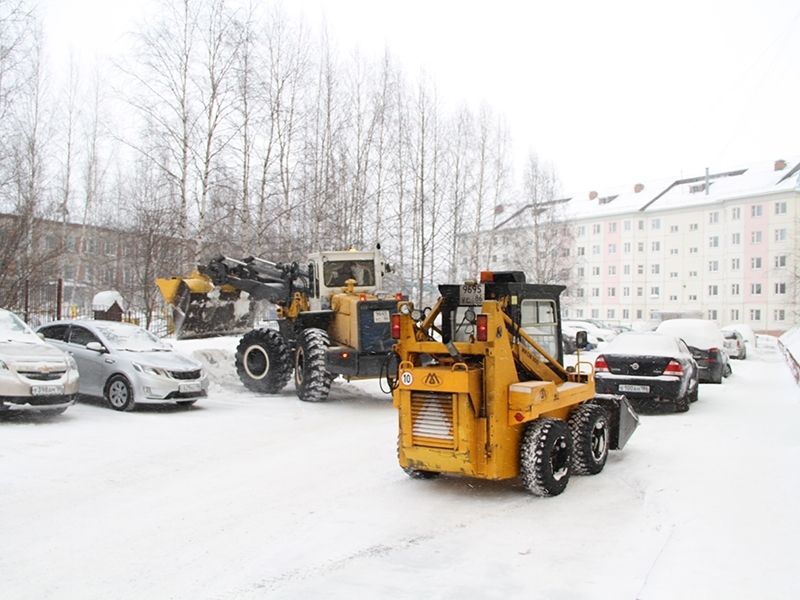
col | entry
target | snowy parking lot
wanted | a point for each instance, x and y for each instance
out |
(247, 496)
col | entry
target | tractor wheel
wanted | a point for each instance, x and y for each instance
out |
(119, 393)
(263, 361)
(589, 426)
(311, 379)
(546, 456)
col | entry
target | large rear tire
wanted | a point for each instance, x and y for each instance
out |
(311, 379)
(263, 361)
(546, 456)
(591, 437)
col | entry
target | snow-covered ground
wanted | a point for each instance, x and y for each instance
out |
(247, 496)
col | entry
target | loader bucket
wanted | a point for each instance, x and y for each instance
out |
(200, 309)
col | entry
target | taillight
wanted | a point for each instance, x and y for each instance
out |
(363, 297)
(481, 327)
(673, 368)
(395, 326)
(600, 365)
(712, 354)
(398, 296)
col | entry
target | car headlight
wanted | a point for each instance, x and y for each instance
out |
(150, 370)
(73, 366)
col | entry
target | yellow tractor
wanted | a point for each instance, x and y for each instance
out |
(481, 390)
(330, 318)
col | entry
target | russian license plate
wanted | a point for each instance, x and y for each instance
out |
(471, 294)
(380, 316)
(47, 390)
(187, 388)
(641, 389)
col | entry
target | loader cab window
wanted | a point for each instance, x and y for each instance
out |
(538, 320)
(463, 326)
(336, 273)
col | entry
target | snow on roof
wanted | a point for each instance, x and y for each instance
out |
(105, 300)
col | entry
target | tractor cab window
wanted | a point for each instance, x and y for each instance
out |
(336, 273)
(463, 326)
(538, 320)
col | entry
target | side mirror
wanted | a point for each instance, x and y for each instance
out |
(96, 346)
(581, 339)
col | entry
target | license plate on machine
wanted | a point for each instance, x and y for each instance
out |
(47, 390)
(186, 388)
(641, 389)
(471, 294)
(380, 316)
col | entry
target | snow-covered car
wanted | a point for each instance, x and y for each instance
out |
(705, 340)
(34, 375)
(126, 364)
(568, 333)
(745, 331)
(603, 334)
(734, 344)
(648, 365)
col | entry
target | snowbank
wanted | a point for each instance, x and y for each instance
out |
(789, 343)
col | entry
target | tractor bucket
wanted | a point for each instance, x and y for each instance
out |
(200, 309)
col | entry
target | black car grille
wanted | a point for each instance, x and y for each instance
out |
(186, 374)
(41, 376)
(645, 366)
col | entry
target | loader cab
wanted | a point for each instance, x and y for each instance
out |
(329, 272)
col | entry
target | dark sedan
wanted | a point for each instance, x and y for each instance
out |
(648, 366)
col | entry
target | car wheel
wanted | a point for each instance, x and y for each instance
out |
(727, 371)
(588, 424)
(682, 403)
(263, 362)
(186, 403)
(545, 459)
(119, 393)
(693, 397)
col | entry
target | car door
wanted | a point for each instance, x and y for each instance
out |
(92, 364)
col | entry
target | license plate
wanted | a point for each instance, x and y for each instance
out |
(380, 316)
(186, 388)
(641, 389)
(47, 390)
(471, 294)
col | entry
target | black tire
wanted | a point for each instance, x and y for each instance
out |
(591, 437)
(119, 393)
(683, 403)
(186, 403)
(311, 380)
(420, 474)
(546, 456)
(727, 371)
(693, 397)
(263, 362)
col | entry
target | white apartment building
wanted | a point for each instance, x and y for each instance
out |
(722, 245)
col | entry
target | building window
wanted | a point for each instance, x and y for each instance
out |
(655, 246)
(626, 247)
(673, 251)
(639, 313)
(580, 271)
(639, 292)
(713, 290)
(673, 229)
(736, 239)
(756, 210)
(693, 250)
(579, 312)
(755, 237)
(780, 288)
(596, 228)
(713, 217)
(735, 290)
(655, 291)
(640, 269)
(755, 289)
(755, 314)
(595, 249)
(692, 297)
(595, 313)
(736, 264)
(71, 244)
(612, 292)
(693, 226)
(655, 224)
(780, 314)
(626, 313)
(612, 248)
(780, 235)
(780, 261)
(673, 298)
(780, 208)
(612, 270)
(579, 293)
(626, 269)
(713, 265)
(581, 251)
(734, 314)
(713, 241)
(612, 227)
(596, 292)
(640, 246)
(595, 271)
(655, 269)
(736, 213)
(641, 224)
(626, 225)
(611, 313)
(626, 292)
(692, 273)
(673, 274)
(581, 230)
(712, 315)
(755, 262)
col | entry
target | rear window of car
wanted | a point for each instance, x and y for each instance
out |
(643, 344)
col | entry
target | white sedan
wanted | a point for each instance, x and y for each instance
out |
(126, 364)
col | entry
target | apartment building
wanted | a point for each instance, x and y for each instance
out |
(723, 245)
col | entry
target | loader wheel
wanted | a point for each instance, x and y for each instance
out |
(589, 426)
(311, 379)
(419, 474)
(546, 456)
(263, 361)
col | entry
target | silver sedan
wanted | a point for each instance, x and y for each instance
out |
(126, 364)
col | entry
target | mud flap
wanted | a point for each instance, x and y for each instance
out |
(624, 419)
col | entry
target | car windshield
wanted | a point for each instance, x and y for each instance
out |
(729, 335)
(12, 328)
(642, 344)
(122, 336)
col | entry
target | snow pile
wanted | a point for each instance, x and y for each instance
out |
(104, 300)
(217, 355)
(790, 345)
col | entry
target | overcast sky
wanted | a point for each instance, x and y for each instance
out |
(611, 92)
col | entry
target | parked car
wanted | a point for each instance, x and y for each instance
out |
(126, 364)
(745, 331)
(34, 375)
(648, 366)
(603, 334)
(734, 344)
(568, 333)
(705, 340)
